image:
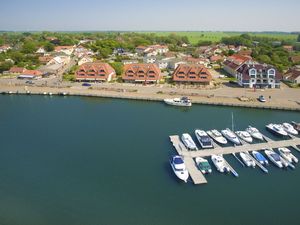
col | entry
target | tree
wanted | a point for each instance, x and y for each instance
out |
(5, 66)
(29, 47)
(49, 47)
(118, 67)
(298, 38)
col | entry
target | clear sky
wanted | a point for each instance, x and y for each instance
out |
(212, 15)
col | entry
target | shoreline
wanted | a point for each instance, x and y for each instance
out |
(117, 94)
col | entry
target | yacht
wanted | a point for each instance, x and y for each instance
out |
(276, 129)
(287, 155)
(260, 158)
(203, 165)
(231, 136)
(289, 128)
(254, 132)
(296, 126)
(220, 163)
(188, 141)
(179, 168)
(244, 135)
(274, 157)
(248, 160)
(203, 139)
(183, 101)
(217, 136)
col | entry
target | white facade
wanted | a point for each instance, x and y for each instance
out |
(85, 59)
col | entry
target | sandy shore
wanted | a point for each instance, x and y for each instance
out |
(279, 99)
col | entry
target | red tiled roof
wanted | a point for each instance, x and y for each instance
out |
(59, 48)
(16, 69)
(94, 70)
(192, 73)
(32, 72)
(149, 72)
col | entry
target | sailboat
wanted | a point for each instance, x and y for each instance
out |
(230, 135)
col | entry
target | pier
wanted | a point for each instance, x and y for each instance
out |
(198, 177)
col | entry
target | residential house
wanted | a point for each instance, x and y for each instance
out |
(85, 59)
(162, 64)
(216, 58)
(95, 71)
(16, 70)
(288, 48)
(234, 62)
(293, 75)
(295, 59)
(30, 74)
(130, 61)
(198, 61)
(152, 50)
(68, 50)
(41, 51)
(63, 60)
(192, 73)
(45, 59)
(141, 73)
(174, 63)
(149, 59)
(256, 75)
(4, 48)
(81, 51)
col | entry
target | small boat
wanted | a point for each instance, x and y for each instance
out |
(28, 92)
(183, 101)
(10, 92)
(247, 159)
(188, 141)
(63, 93)
(220, 163)
(287, 155)
(179, 168)
(289, 128)
(244, 135)
(50, 93)
(276, 129)
(260, 158)
(217, 136)
(203, 139)
(254, 132)
(296, 125)
(203, 165)
(274, 157)
(231, 136)
(45, 93)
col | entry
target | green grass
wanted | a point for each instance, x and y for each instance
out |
(196, 36)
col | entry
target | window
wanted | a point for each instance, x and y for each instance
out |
(151, 71)
(151, 76)
(141, 76)
(182, 77)
(203, 77)
(271, 73)
(192, 77)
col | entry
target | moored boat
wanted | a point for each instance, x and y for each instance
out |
(247, 159)
(220, 163)
(188, 141)
(287, 155)
(276, 129)
(179, 168)
(203, 139)
(260, 158)
(296, 125)
(289, 128)
(203, 165)
(244, 135)
(231, 136)
(217, 136)
(274, 157)
(183, 101)
(254, 132)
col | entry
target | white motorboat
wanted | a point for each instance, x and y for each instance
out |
(276, 129)
(183, 101)
(231, 136)
(220, 163)
(260, 158)
(274, 157)
(188, 141)
(287, 155)
(289, 128)
(254, 132)
(179, 168)
(203, 165)
(247, 159)
(296, 125)
(203, 139)
(217, 136)
(244, 135)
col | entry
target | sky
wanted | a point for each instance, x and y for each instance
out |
(146, 15)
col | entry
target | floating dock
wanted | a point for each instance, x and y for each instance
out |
(198, 177)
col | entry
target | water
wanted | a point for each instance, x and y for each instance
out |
(72, 160)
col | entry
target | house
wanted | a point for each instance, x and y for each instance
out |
(216, 58)
(295, 59)
(174, 63)
(141, 72)
(68, 50)
(192, 73)
(234, 62)
(256, 75)
(131, 61)
(81, 51)
(30, 74)
(85, 59)
(95, 71)
(288, 48)
(51, 69)
(16, 70)
(293, 75)
(149, 59)
(152, 50)
(198, 61)
(45, 59)
(140, 49)
(162, 64)
(41, 51)
(4, 48)
(64, 60)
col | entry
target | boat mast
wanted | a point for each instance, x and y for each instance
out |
(232, 126)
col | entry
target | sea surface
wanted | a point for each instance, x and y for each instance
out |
(93, 161)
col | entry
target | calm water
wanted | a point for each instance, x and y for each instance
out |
(88, 161)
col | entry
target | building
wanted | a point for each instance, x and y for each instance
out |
(45, 59)
(288, 48)
(152, 50)
(30, 74)
(95, 71)
(150, 59)
(192, 73)
(162, 64)
(63, 60)
(295, 59)
(234, 62)
(68, 50)
(141, 72)
(16, 70)
(258, 76)
(129, 61)
(41, 51)
(4, 48)
(293, 75)
(85, 59)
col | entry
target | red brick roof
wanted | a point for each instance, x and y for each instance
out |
(192, 73)
(59, 48)
(292, 74)
(141, 72)
(45, 59)
(15, 69)
(235, 61)
(95, 70)
(32, 72)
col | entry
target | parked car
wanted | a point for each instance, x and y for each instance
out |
(261, 98)
(29, 82)
(86, 85)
